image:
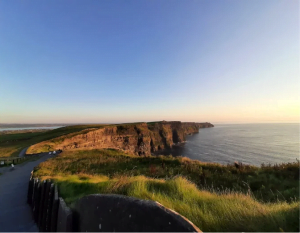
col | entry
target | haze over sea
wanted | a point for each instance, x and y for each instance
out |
(247, 143)
(25, 128)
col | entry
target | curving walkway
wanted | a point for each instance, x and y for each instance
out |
(15, 213)
(23, 152)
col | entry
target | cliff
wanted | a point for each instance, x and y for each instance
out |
(137, 138)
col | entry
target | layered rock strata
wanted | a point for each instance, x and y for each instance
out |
(137, 138)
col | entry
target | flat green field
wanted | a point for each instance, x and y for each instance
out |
(213, 196)
(12, 144)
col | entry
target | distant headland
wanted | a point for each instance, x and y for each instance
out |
(137, 138)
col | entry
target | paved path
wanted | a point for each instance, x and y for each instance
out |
(23, 152)
(15, 213)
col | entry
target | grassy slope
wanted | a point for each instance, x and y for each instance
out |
(12, 144)
(178, 183)
(50, 145)
(269, 183)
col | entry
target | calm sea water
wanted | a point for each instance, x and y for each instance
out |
(22, 128)
(247, 143)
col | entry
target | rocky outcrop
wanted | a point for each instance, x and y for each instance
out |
(137, 138)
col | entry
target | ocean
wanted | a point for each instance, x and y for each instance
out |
(23, 128)
(247, 143)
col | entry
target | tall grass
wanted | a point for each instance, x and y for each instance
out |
(229, 211)
(212, 196)
(268, 184)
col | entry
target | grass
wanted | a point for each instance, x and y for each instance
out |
(12, 144)
(268, 183)
(220, 200)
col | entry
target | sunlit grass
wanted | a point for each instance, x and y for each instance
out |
(269, 183)
(12, 144)
(209, 211)
(177, 184)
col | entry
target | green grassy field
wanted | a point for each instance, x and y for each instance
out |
(12, 144)
(212, 196)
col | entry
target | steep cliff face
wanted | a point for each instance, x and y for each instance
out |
(140, 138)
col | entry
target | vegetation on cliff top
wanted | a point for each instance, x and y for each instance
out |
(12, 144)
(213, 196)
(135, 138)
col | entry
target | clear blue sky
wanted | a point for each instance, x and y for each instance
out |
(74, 61)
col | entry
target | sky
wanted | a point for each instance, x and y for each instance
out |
(115, 61)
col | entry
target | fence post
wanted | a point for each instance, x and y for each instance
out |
(54, 210)
(49, 208)
(45, 205)
(36, 201)
(30, 191)
(33, 194)
(41, 204)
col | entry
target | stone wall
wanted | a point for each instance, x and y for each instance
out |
(100, 212)
(110, 213)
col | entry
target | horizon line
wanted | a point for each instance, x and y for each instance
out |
(106, 123)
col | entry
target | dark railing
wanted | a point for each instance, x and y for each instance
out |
(49, 210)
(5, 161)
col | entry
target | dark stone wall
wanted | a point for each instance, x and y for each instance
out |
(64, 217)
(100, 212)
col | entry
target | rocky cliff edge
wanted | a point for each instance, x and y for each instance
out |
(136, 138)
